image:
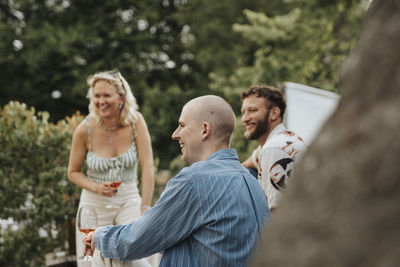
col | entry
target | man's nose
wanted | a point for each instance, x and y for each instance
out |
(175, 135)
(245, 118)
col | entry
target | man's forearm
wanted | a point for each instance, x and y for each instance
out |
(129, 242)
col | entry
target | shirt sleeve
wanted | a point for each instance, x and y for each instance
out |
(173, 218)
(276, 167)
(254, 156)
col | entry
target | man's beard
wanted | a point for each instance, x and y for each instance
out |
(262, 126)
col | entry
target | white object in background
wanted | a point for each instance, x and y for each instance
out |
(307, 109)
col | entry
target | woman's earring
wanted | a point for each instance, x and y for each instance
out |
(120, 106)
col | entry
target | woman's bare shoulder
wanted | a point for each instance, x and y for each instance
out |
(82, 129)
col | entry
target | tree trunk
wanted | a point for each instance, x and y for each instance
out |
(343, 207)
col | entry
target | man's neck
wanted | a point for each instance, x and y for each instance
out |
(212, 149)
(263, 139)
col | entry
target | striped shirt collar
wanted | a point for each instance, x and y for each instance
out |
(223, 154)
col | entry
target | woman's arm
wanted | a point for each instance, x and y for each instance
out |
(145, 154)
(76, 159)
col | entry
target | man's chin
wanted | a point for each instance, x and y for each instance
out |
(184, 159)
(249, 136)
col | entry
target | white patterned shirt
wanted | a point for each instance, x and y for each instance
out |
(275, 162)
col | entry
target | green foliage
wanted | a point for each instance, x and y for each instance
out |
(36, 193)
(215, 46)
(306, 45)
(53, 46)
(169, 47)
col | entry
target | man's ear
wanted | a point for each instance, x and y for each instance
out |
(275, 113)
(205, 130)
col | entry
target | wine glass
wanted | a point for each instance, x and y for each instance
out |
(113, 186)
(87, 223)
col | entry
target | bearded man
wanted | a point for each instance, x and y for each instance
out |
(263, 108)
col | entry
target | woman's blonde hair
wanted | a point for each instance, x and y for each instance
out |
(114, 77)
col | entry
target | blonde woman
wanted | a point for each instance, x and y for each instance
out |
(112, 140)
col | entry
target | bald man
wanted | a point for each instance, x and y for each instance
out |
(210, 214)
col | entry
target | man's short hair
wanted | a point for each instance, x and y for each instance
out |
(218, 112)
(273, 95)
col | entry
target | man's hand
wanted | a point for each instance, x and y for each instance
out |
(89, 244)
(248, 163)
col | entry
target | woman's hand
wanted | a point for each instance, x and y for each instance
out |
(105, 189)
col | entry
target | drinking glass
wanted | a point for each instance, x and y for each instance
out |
(87, 223)
(113, 186)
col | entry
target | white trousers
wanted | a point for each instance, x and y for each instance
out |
(127, 202)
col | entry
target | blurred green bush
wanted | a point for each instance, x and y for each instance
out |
(35, 192)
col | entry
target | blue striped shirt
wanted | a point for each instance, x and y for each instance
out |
(210, 214)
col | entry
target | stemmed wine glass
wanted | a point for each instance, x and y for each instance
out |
(113, 186)
(87, 223)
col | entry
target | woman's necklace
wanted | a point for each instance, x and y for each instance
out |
(110, 129)
(110, 139)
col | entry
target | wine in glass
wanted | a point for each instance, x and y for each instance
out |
(87, 223)
(113, 186)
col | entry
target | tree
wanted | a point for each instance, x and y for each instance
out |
(215, 46)
(55, 45)
(304, 45)
(342, 207)
(35, 191)
(50, 48)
